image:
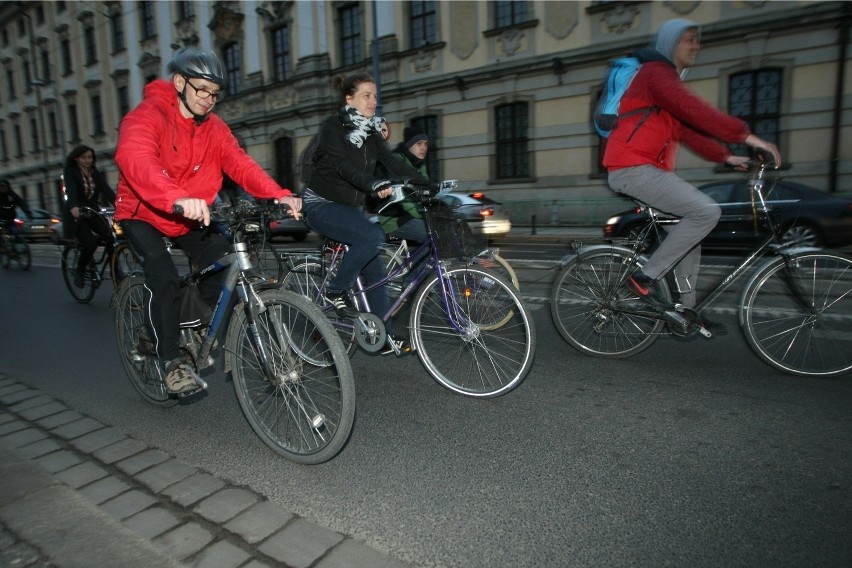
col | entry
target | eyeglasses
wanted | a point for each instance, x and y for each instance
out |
(203, 93)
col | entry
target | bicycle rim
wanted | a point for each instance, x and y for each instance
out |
(498, 264)
(595, 313)
(813, 340)
(480, 359)
(124, 264)
(305, 412)
(144, 370)
(84, 295)
(264, 258)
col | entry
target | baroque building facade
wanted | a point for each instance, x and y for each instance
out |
(505, 89)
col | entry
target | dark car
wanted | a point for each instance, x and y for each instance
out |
(483, 215)
(289, 227)
(806, 215)
(39, 225)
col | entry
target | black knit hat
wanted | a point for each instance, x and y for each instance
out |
(412, 136)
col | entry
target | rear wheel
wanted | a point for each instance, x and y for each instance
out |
(135, 348)
(264, 258)
(70, 258)
(304, 408)
(124, 263)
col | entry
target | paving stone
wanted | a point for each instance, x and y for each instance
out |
(226, 504)
(40, 448)
(351, 554)
(8, 387)
(58, 461)
(128, 504)
(257, 564)
(97, 440)
(13, 426)
(17, 396)
(81, 474)
(19, 554)
(6, 538)
(120, 450)
(104, 489)
(221, 554)
(30, 402)
(193, 488)
(161, 476)
(6, 417)
(77, 428)
(23, 437)
(141, 461)
(260, 521)
(152, 521)
(300, 543)
(59, 419)
(48, 409)
(184, 540)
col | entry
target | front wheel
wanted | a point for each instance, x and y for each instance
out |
(596, 313)
(135, 348)
(454, 333)
(124, 263)
(295, 384)
(22, 254)
(796, 314)
(70, 258)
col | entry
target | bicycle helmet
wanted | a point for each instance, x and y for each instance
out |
(198, 63)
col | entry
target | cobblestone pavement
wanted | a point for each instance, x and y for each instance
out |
(77, 492)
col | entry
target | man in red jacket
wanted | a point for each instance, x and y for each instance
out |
(641, 152)
(171, 152)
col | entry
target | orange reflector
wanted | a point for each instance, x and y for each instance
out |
(468, 293)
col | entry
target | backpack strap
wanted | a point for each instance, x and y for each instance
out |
(645, 112)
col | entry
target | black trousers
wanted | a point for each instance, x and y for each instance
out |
(86, 231)
(202, 247)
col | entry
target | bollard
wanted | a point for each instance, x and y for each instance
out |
(532, 225)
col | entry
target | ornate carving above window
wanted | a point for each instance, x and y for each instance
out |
(273, 12)
(616, 17)
(227, 22)
(149, 64)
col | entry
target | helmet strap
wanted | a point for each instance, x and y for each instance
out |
(198, 118)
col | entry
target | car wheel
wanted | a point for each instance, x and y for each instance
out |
(802, 235)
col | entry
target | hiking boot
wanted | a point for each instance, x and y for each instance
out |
(647, 289)
(342, 306)
(180, 377)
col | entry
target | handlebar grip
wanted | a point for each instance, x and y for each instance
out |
(177, 209)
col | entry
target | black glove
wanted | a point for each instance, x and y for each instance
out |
(380, 185)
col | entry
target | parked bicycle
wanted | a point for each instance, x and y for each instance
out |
(290, 370)
(795, 311)
(14, 249)
(121, 261)
(469, 326)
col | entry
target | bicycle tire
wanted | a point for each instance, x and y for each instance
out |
(475, 361)
(70, 257)
(809, 341)
(264, 258)
(593, 310)
(500, 265)
(23, 258)
(142, 367)
(124, 263)
(307, 417)
(392, 261)
(306, 279)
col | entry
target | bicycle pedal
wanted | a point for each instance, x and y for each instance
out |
(705, 332)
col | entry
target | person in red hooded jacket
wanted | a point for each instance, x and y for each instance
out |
(659, 112)
(172, 151)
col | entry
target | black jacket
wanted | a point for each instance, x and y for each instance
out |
(8, 201)
(74, 193)
(344, 173)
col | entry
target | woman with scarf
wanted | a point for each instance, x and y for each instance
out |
(351, 143)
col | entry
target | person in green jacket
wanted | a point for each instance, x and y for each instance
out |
(402, 219)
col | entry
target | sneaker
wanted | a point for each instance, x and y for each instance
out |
(646, 288)
(341, 304)
(79, 282)
(399, 346)
(180, 377)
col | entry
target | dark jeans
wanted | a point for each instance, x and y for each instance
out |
(162, 279)
(349, 226)
(87, 229)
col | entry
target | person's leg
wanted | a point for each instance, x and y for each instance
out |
(88, 243)
(203, 247)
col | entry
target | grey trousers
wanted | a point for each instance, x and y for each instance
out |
(698, 214)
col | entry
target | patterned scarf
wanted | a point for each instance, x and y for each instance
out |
(363, 126)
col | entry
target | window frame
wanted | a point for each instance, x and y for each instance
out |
(350, 44)
(518, 144)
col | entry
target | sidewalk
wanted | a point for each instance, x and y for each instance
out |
(75, 492)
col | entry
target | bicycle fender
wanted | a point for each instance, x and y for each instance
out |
(584, 250)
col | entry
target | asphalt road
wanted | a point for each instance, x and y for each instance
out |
(690, 454)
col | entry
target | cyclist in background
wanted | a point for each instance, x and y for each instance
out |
(85, 186)
(172, 151)
(403, 219)
(641, 152)
(9, 200)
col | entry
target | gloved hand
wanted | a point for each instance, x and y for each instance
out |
(382, 188)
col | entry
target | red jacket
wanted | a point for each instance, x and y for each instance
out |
(163, 157)
(683, 117)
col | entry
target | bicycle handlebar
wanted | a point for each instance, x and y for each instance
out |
(244, 211)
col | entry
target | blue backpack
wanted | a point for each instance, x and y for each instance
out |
(621, 74)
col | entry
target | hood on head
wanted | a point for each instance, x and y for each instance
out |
(669, 35)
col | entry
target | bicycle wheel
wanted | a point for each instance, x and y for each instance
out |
(70, 257)
(305, 412)
(593, 310)
(799, 320)
(137, 355)
(124, 263)
(456, 348)
(391, 260)
(498, 264)
(264, 258)
(22, 255)
(305, 279)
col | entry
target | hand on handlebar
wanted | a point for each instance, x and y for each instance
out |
(295, 204)
(382, 189)
(193, 208)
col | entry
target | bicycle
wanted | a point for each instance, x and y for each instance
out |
(795, 310)
(13, 248)
(470, 328)
(290, 371)
(122, 261)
